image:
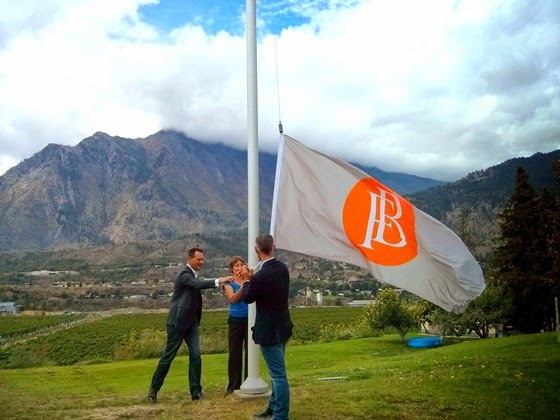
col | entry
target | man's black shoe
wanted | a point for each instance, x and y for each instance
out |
(197, 397)
(265, 414)
(152, 395)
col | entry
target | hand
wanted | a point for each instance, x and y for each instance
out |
(224, 280)
(246, 272)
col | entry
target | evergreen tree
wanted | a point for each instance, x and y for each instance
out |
(521, 258)
(554, 238)
(547, 250)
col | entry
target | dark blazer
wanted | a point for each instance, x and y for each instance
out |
(186, 302)
(269, 288)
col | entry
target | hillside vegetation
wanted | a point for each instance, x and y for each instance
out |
(133, 336)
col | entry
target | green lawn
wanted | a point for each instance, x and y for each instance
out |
(506, 378)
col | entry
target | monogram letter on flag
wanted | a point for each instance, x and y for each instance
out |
(327, 208)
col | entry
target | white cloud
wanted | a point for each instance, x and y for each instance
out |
(6, 162)
(436, 89)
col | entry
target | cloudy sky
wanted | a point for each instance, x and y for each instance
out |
(436, 88)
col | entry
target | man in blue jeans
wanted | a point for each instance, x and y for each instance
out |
(269, 287)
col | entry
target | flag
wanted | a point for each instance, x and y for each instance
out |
(327, 208)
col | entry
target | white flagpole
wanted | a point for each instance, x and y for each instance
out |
(254, 384)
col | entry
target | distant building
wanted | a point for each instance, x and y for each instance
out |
(8, 308)
(50, 273)
(360, 303)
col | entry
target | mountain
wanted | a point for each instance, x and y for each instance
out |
(399, 182)
(114, 190)
(469, 206)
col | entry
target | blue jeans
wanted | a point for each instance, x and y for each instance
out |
(174, 339)
(279, 402)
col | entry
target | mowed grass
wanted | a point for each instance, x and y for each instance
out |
(379, 378)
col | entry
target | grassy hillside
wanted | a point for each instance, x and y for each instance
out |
(505, 378)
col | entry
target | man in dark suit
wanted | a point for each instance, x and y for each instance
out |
(182, 324)
(269, 287)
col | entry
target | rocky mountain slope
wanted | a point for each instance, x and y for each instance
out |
(113, 190)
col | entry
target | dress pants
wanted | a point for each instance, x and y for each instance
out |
(174, 339)
(237, 341)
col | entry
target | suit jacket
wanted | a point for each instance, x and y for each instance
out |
(269, 288)
(186, 302)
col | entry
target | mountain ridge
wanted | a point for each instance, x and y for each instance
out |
(110, 190)
(470, 205)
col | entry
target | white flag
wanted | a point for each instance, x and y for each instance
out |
(327, 208)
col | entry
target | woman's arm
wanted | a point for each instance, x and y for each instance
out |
(232, 296)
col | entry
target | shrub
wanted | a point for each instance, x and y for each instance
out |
(388, 311)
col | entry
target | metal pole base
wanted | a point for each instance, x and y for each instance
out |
(254, 386)
(243, 396)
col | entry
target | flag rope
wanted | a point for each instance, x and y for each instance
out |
(280, 127)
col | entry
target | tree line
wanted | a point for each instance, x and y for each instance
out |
(526, 263)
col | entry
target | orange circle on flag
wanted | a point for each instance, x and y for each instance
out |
(380, 223)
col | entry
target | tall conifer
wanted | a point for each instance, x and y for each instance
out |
(517, 257)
